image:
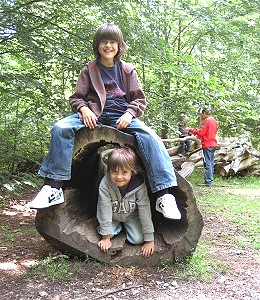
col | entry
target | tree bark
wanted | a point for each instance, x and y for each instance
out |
(71, 227)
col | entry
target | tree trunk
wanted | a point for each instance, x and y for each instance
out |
(71, 227)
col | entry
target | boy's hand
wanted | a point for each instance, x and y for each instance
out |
(88, 117)
(124, 121)
(105, 244)
(148, 248)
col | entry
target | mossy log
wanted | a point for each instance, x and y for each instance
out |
(71, 227)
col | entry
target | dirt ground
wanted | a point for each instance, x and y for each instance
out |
(21, 247)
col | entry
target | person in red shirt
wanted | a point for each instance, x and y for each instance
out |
(207, 134)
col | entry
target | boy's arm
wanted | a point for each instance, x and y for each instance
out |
(201, 132)
(135, 96)
(145, 215)
(104, 216)
(78, 99)
(104, 209)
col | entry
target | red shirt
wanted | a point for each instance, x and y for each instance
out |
(207, 132)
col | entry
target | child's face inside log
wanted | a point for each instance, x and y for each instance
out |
(120, 176)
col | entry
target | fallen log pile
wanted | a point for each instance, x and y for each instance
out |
(233, 156)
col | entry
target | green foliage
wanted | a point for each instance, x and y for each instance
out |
(60, 268)
(15, 184)
(187, 54)
(238, 202)
(10, 236)
(200, 265)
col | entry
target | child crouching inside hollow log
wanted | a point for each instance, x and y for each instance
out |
(123, 199)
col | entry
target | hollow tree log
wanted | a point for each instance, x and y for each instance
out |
(71, 227)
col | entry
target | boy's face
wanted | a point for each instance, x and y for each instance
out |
(108, 50)
(120, 177)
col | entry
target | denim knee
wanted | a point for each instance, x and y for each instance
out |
(135, 239)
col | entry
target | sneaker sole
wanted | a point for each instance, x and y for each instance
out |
(46, 206)
(167, 217)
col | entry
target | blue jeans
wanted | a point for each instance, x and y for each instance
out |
(156, 160)
(208, 161)
(133, 229)
(184, 146)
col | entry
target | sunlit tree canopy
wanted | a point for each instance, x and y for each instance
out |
(187, 54)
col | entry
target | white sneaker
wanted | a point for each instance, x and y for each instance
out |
(47, 197)
(166, 205)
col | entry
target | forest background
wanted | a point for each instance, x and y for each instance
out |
(188, 54)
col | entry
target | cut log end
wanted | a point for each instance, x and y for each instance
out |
(72, 227)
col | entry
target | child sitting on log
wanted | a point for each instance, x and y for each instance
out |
(108, 92)
(123, 199)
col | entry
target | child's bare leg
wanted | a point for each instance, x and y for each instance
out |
(148, 248)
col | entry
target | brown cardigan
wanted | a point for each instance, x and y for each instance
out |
(90, 90)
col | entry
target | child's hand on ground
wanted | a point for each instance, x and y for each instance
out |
(148, 248)
(105, 244)
(124, 121)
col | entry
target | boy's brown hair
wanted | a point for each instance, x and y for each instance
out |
(109, 31)
(123, 157)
